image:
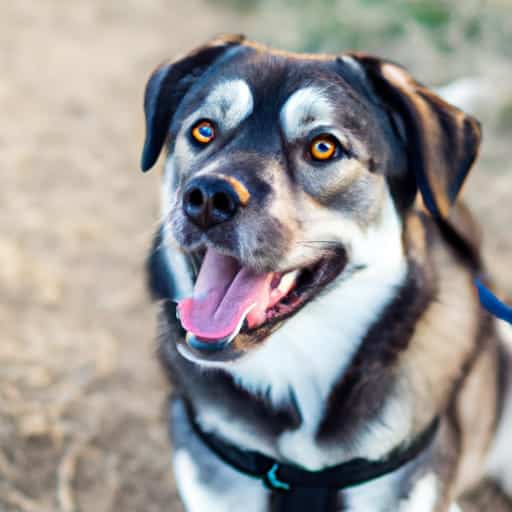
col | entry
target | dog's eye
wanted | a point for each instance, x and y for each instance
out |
(203, 132)
(323, 147)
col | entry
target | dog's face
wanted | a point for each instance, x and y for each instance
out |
(288, 175)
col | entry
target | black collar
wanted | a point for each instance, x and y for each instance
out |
(286, 478)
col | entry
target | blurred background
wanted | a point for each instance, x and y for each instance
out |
(82, 400)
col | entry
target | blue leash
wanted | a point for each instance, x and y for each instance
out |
(492, 304)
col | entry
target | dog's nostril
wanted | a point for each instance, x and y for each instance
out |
(208, 201)
(196, 198)
(222, 203)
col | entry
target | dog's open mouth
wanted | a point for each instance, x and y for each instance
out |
(229, 298)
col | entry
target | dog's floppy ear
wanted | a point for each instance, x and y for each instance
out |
(168, 85)
(442, 141)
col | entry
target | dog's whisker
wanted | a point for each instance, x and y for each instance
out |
(319, 245)
(318, 242)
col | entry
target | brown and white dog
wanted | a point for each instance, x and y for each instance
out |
(323, 275)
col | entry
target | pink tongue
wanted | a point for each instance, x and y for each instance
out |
(222, 295)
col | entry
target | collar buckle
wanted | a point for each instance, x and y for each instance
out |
(272, 481)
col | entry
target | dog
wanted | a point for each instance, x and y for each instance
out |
(319, 319)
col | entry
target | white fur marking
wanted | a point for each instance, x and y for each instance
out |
(375, 496)
(228, 104)
(194, 497)
(423, 497)
(381, 495)
(175, 259)
(167, 190)
(305, 109)
(240, 493)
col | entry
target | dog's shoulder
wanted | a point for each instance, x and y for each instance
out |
(459, 235)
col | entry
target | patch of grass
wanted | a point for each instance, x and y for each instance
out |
(473, 29)
(431, 14)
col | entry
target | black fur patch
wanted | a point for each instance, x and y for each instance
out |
(360, 393)
(160, 279)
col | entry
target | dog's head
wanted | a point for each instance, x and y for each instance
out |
(288, 177)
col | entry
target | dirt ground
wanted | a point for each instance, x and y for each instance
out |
(82, 399)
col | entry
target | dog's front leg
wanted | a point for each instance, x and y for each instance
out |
(206, 483)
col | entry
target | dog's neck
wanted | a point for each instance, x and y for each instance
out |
(299, 365)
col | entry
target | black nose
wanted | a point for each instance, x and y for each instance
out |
(209, 200)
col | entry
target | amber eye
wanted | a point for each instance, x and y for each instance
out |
(203, 132)
(323, 147)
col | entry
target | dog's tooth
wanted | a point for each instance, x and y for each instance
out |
(240, 324)
(287, 280)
